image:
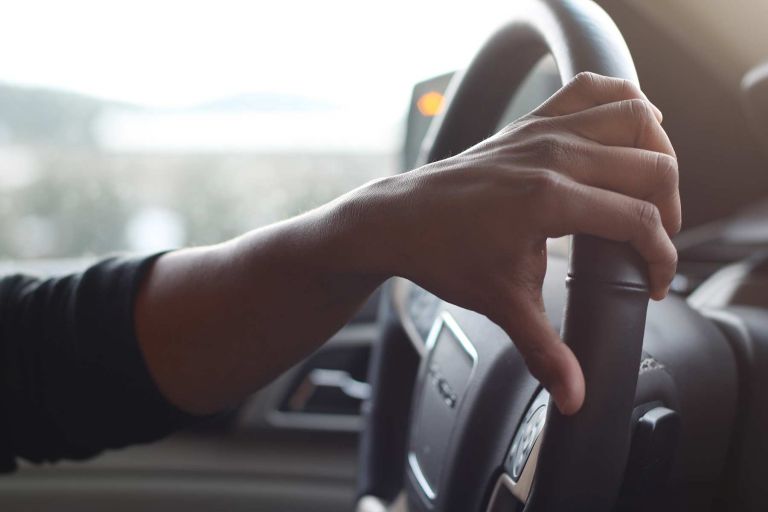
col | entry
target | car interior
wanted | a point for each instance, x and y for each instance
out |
(420, 405)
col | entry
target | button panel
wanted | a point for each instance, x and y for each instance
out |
(529, 431)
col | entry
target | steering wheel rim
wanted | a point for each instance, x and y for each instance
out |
(581, 458)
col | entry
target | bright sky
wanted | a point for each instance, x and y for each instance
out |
(172, 53)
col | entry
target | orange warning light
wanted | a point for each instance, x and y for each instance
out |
(430, 103)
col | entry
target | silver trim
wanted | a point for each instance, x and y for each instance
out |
(467, 345)
(325, 378)
(434, 333)
(444, 319)
(520, 489)
(343, 381)
(413, 463)
(262, 410)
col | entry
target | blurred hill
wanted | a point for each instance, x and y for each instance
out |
(33, 116)
(49, 117)
(255, 121)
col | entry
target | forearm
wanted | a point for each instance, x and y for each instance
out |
(217, 323)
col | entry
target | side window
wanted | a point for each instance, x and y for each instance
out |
(82, 176)
(143, 126)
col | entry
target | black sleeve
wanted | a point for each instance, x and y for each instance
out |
(72, 376)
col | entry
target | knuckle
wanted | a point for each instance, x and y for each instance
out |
(629, 88)
(668, 258)
(641, 114)
(668, 179)
(648, 216)
(639, 109)
(585, 79)
(545, 182)
(673, 258)
(676, 225)
(548, 191)
(611, 86)
(665, 169)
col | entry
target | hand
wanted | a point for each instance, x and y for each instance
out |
(593, 159)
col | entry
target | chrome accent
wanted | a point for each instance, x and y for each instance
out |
(444, 319)
(413, 463)
(341, 380)
(263, 408)
(520, 489)
(517, 479)
(467, 345)
(321, 377)
(434, 333)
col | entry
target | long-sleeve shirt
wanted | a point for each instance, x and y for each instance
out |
(73, 380)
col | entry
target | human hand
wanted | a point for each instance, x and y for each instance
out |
(592, 159)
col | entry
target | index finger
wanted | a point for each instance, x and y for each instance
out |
(589, 90)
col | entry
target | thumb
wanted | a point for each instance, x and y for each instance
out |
(547, 357)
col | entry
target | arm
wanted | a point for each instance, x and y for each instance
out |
(217, 323)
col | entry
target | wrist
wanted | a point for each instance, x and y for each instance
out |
(358, 240)
(372, 226)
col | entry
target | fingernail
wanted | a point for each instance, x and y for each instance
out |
(659, 295)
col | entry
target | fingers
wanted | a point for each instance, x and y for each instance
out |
(642, 174)
(547, 357)
(589, 90)
(607, 214)
(629, 123)
(631, 154)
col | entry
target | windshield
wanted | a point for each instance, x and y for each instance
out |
(144, 125)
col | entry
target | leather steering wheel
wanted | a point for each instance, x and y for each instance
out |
(481, 434)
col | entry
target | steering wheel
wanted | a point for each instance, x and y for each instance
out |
(482, 434)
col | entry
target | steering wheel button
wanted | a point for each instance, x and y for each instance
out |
(526, 436)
